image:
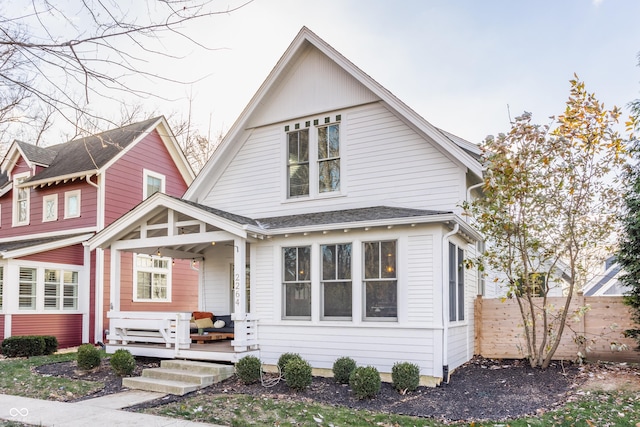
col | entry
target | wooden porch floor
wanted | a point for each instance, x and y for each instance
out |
(215, 351)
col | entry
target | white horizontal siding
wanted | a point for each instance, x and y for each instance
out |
(217, 280)
(381, 347)
(420, 280)
(262, 299)
(459, 345)
(312, 85)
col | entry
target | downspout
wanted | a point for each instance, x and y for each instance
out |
(445, 303)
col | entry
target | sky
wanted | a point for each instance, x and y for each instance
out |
(466, 66)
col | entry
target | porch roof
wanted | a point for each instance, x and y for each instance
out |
(19, 248)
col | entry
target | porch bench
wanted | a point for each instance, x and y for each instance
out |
(227, 330)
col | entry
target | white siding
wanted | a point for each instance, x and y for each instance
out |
(217, 280)
(262, 272)
(420, 280)
(376, 346)
(311, 85)
(383, 162)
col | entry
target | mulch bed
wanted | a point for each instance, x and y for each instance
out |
(480, 389)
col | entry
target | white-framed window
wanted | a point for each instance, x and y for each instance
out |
(152, 278)
(313, 158)
(296, 283)
(153, 182)
(50, 208)
(380, 280)
(72, 204)
(60, 289)
(336, 286)
(456, 283)
(27, 288)
(21, 200)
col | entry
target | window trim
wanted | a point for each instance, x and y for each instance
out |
(365, 281)
(17, 180)
(45, 200)
(306, 283)
(457, 303)
(328, 159)
(146, 174)
(67, 196)
(153, 270)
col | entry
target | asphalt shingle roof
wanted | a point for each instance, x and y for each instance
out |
(14, 245)
(38, 155)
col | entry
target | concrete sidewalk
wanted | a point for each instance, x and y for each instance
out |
(93, 412)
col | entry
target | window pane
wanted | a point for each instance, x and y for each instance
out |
(322, 143)
(290, 264)
(297, 299)
(334, 141)
(304, 263)
(328, 262)
(154, 185)
(388, 254)
(299, 180)
(144, 285)
(27, 289)
(337, 299)
(460, 284)
(371, 260)
(159, 286)
(303, 154)
(453, 315)
(381, 299)
(329, 176)
(344, 261)
(72, 205)
(52, 296)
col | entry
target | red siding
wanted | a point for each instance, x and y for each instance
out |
(124, 187)
(68, 255)
(88, 205)
(66, 327)
(1, 327)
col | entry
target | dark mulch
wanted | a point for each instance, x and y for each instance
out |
(480, 389)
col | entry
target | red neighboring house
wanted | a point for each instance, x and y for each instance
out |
(52, 199)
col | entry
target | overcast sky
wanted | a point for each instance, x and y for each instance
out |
(464, 65)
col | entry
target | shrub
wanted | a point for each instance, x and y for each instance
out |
(24, 346)
(297, 373)
(88, 357)
(365, 381)
(405, 376)
(342, 369)
(50, 344)
(248, 369)
(285, 358)
(122, 362)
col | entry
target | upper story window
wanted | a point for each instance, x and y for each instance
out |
(152, 279)
(50, 208)
(297, 282)
(72, 204)
(380, 280)
(153, 183)
(329, 158)
(21, 199)
(313, 158)
(298, 163)
(456, 283)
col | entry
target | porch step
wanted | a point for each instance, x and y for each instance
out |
(179, 376)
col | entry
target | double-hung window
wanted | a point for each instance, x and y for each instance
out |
(336, 285)
(298, 163)
(296, 282)
(328, 158)
(27, 288)
(456, 283)
(152, 278)
(21, 197)
(380, 280)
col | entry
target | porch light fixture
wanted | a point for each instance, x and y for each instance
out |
(158, 252)
(213, 243)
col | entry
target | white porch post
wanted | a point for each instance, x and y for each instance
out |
(240, 278)
(114, 289)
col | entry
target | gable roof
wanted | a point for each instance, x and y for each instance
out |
(216, 164)
(88, 156)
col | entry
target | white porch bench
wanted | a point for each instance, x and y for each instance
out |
(171, 329)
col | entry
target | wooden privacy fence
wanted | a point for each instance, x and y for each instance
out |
(499, 332)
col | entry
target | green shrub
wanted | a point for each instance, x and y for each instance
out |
(365, 381)
(297, 373)
(50, 344)
(122, 362)
(405, 376)
(23, 346)
(342, 369)
(88, 357)
(285, 358)
(248, 369)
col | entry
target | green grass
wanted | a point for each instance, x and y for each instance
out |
(593, 409)
(18, 379)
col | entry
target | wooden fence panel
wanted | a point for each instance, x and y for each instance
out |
(499, 332)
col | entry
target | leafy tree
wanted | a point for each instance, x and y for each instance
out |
(548, 206)
(629, 248)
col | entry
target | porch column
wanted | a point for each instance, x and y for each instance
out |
(240, 277)
(114, 280)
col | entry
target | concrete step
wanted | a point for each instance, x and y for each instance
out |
(179, 375)
(159, 385)
(220, 369)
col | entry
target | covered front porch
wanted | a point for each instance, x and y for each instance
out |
(168, 258)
